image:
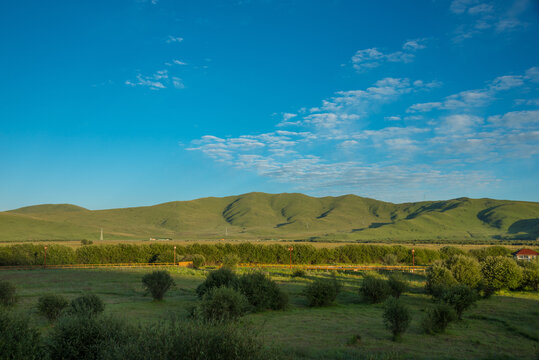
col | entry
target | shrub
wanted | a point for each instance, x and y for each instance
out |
(501, 273)
(530, 275)
(438, 279)
(218, 278)
(86, 305)
(198, 261)
(157, 283)
(8, 293)
(374, 290)
(17, 339)
(466, 270)
(322, 292)
(231, 261)
(223, 304)
(390, 259)
(84, 337)
(397, 284)
(299, 273)
(262, 292)
(460, 297)
(86, 242)
(51, 306)
(449, 251)
(396, 317)
(437, 318)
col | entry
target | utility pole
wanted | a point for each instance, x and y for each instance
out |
(413, 260)
(45, 263)
(290, 248)
(101, 237)
(226, 230)
(174, 254)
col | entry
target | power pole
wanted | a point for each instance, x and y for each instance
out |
(226, 231)
(101, 237)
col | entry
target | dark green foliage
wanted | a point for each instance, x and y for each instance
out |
(51, 306)
(223, 304)
(17, 339)
(437, 318)
(198, 260)
(449, 251)
(374, 290)
(84, 337)
(218, 278)
(322, 292)
(262, 292)
(231, 261)
(397, 284)
(530, 275)
(86, 305)
(501, 273)
(390, 259)
(86, 242)
(438, 279)
(460, 297)
(157, 283)
(396, 317)
(299, 273)
(8, 293)
(482, 253)
(466, 270)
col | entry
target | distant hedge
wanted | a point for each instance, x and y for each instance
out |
(32, 254)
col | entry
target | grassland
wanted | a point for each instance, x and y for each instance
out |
(260, 216)
(502, 327)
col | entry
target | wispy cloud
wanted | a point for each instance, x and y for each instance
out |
(174, 39)
(373, 57)
(157, 81)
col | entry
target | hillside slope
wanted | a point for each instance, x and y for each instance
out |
(281, 216)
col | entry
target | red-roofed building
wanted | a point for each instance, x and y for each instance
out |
(525, 254)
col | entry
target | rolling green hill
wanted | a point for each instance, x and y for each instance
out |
(281, 216)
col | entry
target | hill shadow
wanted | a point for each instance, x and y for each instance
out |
(528, 226)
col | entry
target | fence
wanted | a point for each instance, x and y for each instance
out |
(417, 268)
(188, 264)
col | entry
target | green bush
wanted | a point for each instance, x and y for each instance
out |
(501, 273)
(218, 278)
(17, 339)
(449, 251)
(390, 259)
(51, 306)
(157, 283)
(438, 279)
(460, 297)
(374, 290)
(466, 270)
(223, 304)
(8, 293)
(322, 292)
(86, 305)
(397, 284)
(396, 317)
(198, 261)
(530, 275)
(438, 318)
(86, 242)
(262, 292)
(84, 337)
(299, 273)
(231, 261)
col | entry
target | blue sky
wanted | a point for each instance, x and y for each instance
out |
(125, 103)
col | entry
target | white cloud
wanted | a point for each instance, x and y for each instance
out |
(373, 57)
(174, 39)
(459, 123)
(157, 81)
(517, 119)
(392, 118)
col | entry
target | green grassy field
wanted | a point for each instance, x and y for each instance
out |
(502, 327)
(260, 216)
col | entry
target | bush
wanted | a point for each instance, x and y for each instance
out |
(466, 270)
(86, 305)
(437, 318)
(397, 284)
(262, 292)
(8, 293)
(390, 259)
(299, 273)
(17, 339)
(223, 304)
(530, 275)
(218, 278)
(86, 242)
(438, 279)
(501, 273)
(322, 292)
(396, 317)
(460, 297)
(157, 283)
(51, 306)
(231, 261)
(198, 261)
(84, 337)
(374, 290)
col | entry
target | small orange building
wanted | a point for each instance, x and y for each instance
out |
(525, 254)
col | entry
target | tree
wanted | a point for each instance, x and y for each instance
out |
(466, 270)
(157, 283)
(501, 273)
(396, 317)
(460, 297)
(438, 279)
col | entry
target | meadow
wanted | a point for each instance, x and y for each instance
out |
(503, 326)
